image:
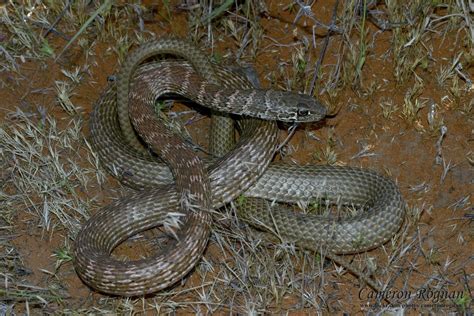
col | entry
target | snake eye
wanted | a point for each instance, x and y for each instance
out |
(303, 113)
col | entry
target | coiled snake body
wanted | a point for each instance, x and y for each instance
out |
(244, 169)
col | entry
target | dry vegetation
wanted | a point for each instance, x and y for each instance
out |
(398, 74)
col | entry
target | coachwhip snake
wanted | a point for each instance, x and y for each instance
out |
(244, 169)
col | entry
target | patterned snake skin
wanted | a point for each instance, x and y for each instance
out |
(244, 169)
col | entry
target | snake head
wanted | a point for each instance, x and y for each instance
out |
(295, 107)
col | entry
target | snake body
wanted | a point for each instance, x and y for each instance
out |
(242, 170)
(220, 94)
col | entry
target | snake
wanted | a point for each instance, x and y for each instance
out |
(246, 170)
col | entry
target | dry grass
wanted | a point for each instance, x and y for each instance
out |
(50, 174)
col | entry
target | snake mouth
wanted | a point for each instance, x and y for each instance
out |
(302, 113)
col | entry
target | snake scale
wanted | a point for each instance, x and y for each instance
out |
(246, 169)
